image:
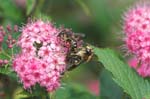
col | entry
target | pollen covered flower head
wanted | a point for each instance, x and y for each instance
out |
(137, 31)
(42, 57)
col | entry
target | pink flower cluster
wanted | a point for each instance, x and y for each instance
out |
(142, 70)
(42, 57)
(137, 30)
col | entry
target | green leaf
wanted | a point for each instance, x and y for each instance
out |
(4, 55)
(36, 92)
(44, 17)
(73, 91)
(9, 11)
(69, 91)
(20, 93)
(147, 96)
(34, 8)
(30, 6)
(109, 89)
(134, 85)
(5, 71)
(84, 7)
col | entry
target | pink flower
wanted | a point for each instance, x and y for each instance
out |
(137, 19)
(137, 30)
(42, 57)
(142, 69)
(94, 86)
(133, 62)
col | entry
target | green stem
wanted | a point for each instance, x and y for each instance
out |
(43, 97)
(12, 52)
(51, 95)
(84, 7)
(2, 51)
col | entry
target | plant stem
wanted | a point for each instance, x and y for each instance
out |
(51, 95)
(2, 51)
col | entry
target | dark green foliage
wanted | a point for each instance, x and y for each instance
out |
(30, 6)
(134, 85)
(73, 91)
(69, 91)
(108, 88)
(9, 12)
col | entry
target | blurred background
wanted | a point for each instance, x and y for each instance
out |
(99, 20)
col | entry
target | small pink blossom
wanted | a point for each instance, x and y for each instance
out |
(3, 62)
(94, 87)
(133, 62)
